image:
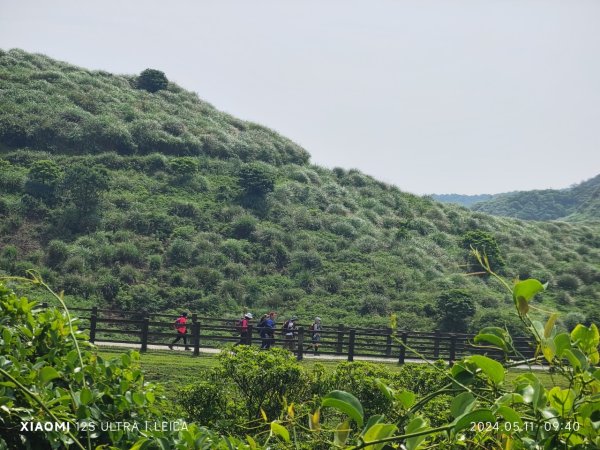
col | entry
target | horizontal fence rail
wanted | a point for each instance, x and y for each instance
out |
(206, 332)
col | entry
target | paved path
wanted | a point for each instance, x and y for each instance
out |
(321, 357)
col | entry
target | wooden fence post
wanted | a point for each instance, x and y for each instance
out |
(340, 339)
(93, 320)
(351, 345)
(402, 356)
(145, 326)
(388, 343)
(196, 336)
(299, 354)
(452, 349)
(436, 344)
(199, 334)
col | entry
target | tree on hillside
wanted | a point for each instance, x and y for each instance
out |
(455, 309)
(82, 190)
(152, 80)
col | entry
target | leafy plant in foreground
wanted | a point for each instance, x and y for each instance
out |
(50, 374)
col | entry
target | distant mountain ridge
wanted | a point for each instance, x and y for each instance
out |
(578, 203)
(462, 200)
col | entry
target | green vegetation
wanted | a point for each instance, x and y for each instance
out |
(265, 399)
(578, 203)
(130, 193)
(175, 370)
(140, 201)
(48, 373)
(470, 405)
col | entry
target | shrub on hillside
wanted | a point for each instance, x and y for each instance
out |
(378, 305)
(152, 80)
(568, 282)
(154, 262)
(33, 208)
(306, 261)
(43, 179)
(179, 252)
(486, 244)
(243, 227)
(183, 168)
(256, 179)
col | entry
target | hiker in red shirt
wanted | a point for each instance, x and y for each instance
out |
(242, 326)
(181, 328)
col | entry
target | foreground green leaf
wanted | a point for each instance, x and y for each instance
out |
(346, 403)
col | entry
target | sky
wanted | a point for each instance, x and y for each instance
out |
(434, 96)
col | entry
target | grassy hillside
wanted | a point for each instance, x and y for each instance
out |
(578, 203)
(157, 201)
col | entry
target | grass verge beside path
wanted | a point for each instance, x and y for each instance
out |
(176, 369)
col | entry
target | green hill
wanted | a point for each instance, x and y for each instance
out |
(578, 203)
(145, 201)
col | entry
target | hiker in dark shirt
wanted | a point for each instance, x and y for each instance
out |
(316, 334)
(289, 332)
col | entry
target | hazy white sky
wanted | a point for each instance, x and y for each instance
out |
(436, 96)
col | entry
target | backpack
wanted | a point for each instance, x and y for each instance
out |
(288, 326)
(239, 324)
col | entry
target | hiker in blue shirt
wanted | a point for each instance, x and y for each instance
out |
(267, 332)
(262, 330)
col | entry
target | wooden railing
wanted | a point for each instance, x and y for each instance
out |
(208, 332)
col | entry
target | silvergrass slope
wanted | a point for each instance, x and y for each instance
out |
(159, 202)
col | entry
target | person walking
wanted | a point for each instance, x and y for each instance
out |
(243, 325)
(262, 331)
(289, 332)
(270, 330)
(316, 334)
(181, 328)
